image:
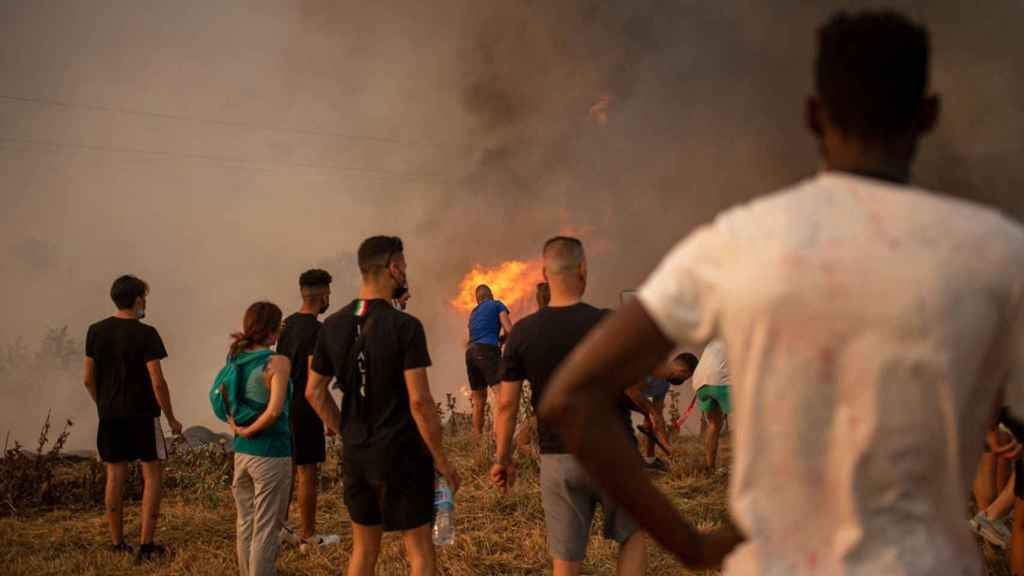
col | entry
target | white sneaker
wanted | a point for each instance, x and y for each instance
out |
(994, 532)
(289, 536)
(319, 541)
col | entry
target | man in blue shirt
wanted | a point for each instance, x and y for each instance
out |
(655, 389)
(483, 356)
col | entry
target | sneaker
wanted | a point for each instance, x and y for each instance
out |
(122, 548)
(150, 552)
(657, 465)
(289, 536)
(319, 541)
(993, 532)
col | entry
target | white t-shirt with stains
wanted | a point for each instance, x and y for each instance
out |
(712, 369)
(869, 328)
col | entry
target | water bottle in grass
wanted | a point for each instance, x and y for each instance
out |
(444, 514)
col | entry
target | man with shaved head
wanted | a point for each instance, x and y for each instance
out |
(535, 347)
(486, 324)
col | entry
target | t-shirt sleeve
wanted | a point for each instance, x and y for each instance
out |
(90, 343)
(154, 346)
(512, 368)
(322, 362)
(683, 293)
(1013, 393)
(414, 346)
(502, 307)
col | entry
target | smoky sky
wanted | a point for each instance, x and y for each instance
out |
(218, 149)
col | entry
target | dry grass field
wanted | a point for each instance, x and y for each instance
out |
(497, 534)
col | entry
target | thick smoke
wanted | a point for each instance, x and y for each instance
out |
(219, 149)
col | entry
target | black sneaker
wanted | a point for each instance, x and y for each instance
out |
(122, 548)
(657, 465)
(150, 552)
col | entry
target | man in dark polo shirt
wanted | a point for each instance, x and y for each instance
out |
(534, 349)
(124, 378)
(297, 341)
(389, 426)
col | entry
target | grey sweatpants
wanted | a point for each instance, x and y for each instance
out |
(261, 487)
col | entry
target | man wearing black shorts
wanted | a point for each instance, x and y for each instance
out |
(297, 341)
(124, 378)
(483, 356)
(389, 426)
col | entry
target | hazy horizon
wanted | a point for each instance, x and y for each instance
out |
(217, 150)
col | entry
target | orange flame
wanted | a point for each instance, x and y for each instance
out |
(513, 282)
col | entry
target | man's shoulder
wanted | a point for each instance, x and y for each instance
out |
(300, 321)
(591, 311)
(402, 318)
(343, 315)
(527, 322)
(100, 325)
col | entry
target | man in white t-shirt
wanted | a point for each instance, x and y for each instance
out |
(870, 328)
(711, 384)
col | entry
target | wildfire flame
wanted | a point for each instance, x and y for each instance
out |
(513, 282)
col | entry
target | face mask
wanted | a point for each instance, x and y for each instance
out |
(401, 289)
(140, 313)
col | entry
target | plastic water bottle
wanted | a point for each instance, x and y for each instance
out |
(444, 514)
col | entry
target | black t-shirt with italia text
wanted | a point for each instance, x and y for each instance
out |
(538, 344)
(120, 349)
(376, 417)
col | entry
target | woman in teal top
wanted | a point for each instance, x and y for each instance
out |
(263, 445)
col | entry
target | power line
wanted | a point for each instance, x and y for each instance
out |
(227, 160)
(227, 123)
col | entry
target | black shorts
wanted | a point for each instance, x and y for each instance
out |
(130, 439)
(482, 364)
(309, 444)
(399, 495)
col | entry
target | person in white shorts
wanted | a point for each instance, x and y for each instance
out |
(871, 329)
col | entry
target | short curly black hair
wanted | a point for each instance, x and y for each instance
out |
(688, 359)
(315, 277)
(126, 289)
(871, 72)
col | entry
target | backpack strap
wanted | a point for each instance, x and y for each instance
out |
(357, 376)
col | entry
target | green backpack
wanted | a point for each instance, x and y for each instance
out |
(227, 396)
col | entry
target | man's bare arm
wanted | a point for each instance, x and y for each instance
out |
(504, 428)
(581, 402)
(424, 413)
(319, 398)
(279, 371)
(163, 394)
(654, 416)
(506, 323)
(505, 419)
(89, 378)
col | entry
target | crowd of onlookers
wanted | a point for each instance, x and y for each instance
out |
(871, 328)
